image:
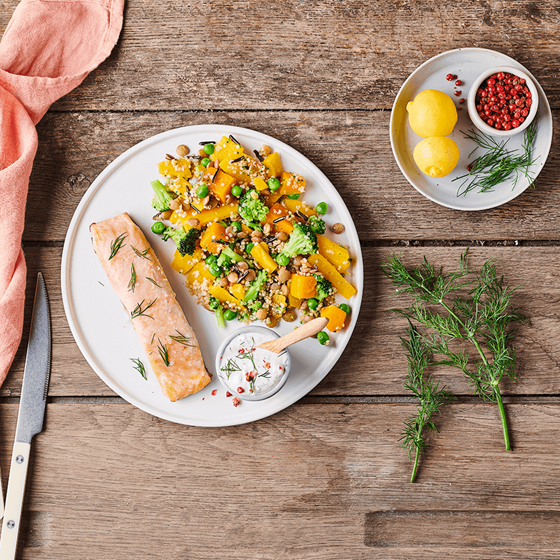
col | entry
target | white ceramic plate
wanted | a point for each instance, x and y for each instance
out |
(467, 64)
(104, 332)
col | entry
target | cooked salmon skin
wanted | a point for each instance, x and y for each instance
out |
(137, 277)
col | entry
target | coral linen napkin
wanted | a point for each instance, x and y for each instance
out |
(47, 50)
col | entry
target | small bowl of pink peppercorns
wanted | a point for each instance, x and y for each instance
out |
(503, 101)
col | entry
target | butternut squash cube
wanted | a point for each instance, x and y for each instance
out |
(303, 287)
(198, 274)
(344, 288)
(211, 237)
(184, 264)
(336, 317)
(274, 164)
(336, 254)
(297, 205)
(221, 185)
(292, 184)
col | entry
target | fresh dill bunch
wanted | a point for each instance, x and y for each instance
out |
(485, 318)
(428, 393)
(498, 164)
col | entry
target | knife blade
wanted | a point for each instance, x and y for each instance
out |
(31, 414)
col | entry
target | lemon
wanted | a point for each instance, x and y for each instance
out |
(436, 156)
(432, 113)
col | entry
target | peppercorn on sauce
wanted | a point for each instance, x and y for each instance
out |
(138, 279)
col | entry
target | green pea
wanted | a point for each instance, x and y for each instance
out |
(283, 260)
(158, 227)
(202, 191)
(211, 259)
(236, 191)
(205, 161)
(323, 338)
(230, 314)
(293, 196)
(209, 149)
(249, 247)
(273, 184)
(214, 269)
(313, 303)
(345, 308)
(236, 225)
(321, 208)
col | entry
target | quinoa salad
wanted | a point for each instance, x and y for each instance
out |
(250, 248)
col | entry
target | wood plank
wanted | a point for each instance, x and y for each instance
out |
(109, 481)
(373, 363)
(290, 54)
(351, 148)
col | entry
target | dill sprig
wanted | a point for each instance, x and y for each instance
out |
(498, 164)
(153, 281)
(230, 367)
(181, 339)
(428, 393)
(139, 311)
(132, 282)
(116, 244)
(141, 254)
(163, 352)
(139, 367)
(484, 317)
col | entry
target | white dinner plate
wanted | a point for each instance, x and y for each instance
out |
(102, 329)
(467, 64)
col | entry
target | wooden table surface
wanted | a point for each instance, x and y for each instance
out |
(326, 478)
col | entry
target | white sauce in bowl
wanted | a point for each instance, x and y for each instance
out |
(255, 370)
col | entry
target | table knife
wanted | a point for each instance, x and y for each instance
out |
(30, 417)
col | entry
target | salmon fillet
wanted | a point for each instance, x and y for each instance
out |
(137, 277)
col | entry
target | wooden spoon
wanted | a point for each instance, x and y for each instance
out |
(305, 331)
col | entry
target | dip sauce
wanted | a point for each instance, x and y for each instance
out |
(247, 369)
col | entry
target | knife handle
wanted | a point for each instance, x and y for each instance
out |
(14, 500)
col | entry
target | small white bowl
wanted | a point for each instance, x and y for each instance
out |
(471, 102)
(248, 396)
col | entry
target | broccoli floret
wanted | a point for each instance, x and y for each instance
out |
(252, 209)
(254, 306)
(185, 240)
(163, 197)
(256, 286)
(303, 241)
(323, 289)
(316, 225)
(213, 303)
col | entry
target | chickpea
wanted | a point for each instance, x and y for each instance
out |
(282, 236)
(284, 290)
(233, 277)
(230, 231)
(163, 215)
(284, 274)
(261, 314)
(224, 282)
(289, 316)
(193, 222)
(271, 322)
(182, 150)
(307, 318)
(251, 275)
(337, 228)
(243, 266)
(275, 287)
(265, 149)
(297, 260)
(241, 235)
(174, 204)
(257, 233)
(267, 229)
